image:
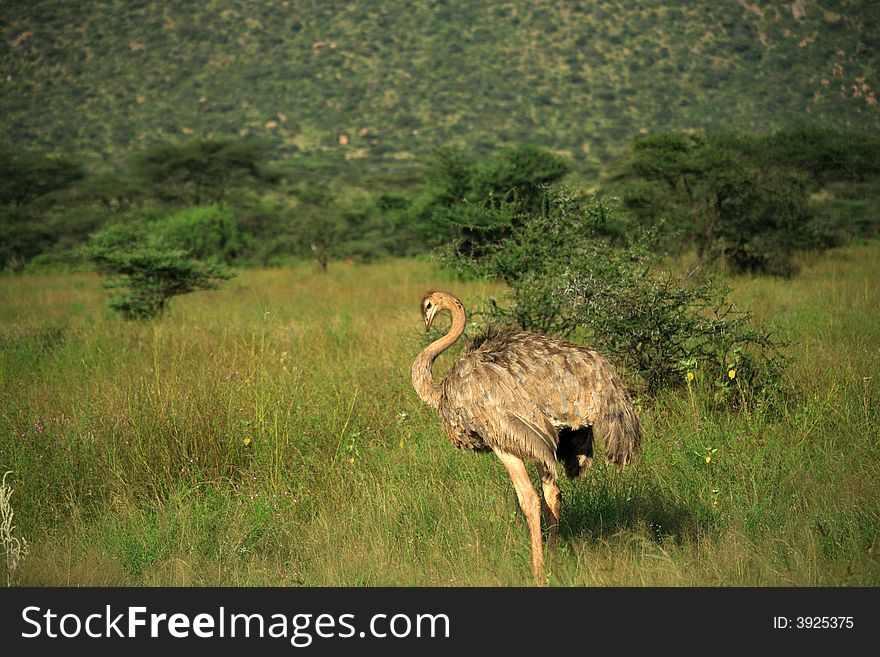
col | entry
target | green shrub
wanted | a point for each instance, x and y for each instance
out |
(478, 200)
(725, 196)
(565, 277)
(203, 232)
(148, 269)
(22, 237)
(826, 154)
(31, 186)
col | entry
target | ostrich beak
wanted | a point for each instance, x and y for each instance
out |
(429, 317)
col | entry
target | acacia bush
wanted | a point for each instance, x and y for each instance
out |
(148, 268)
(726, 196)
(565, 277)
(31, 186)
(202, 171)
(473, 201)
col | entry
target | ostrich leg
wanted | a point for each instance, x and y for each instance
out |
(551, 505)
(530, 504)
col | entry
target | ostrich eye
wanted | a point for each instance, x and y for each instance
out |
(428, 306)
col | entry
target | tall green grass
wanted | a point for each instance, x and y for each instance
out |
(268, 434)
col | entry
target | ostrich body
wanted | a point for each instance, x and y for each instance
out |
(527, 397)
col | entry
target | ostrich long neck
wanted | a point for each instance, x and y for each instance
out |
(422, 378)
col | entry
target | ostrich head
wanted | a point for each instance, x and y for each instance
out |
(434, 302)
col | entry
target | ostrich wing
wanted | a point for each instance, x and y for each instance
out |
(512, 392)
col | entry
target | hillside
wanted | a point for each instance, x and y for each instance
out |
(391, 81)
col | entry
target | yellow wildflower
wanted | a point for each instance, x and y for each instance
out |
(731, 373)
(690, 376)
(246, 441)
(708, 458)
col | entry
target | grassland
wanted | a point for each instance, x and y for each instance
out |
(267, 434)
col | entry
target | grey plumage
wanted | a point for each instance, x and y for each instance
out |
(528, 397)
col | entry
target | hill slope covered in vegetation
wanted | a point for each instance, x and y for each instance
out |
(391, 81)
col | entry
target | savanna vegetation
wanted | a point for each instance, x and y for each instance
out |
(267, 433)
(234, 436)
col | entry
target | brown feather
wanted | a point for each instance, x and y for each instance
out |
(515, 390)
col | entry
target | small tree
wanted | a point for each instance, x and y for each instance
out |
(116, 193)
(31, 186)
(317, 225)
(722, 194)
(826, 154)
(201, 172)
(26, 177)
(479, 201)
(148, 269)
(22, 237)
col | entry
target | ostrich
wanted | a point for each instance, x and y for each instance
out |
(527, 397)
